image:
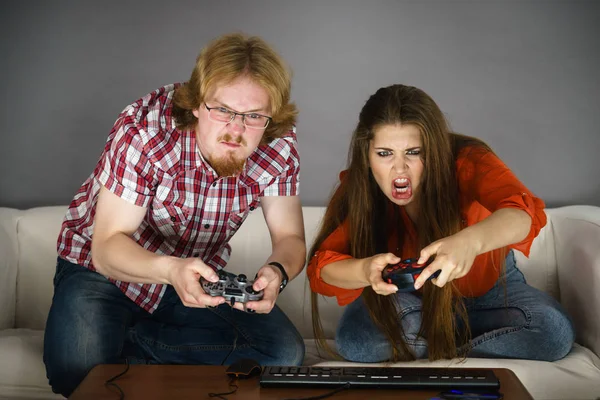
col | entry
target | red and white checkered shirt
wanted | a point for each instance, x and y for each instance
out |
(191, 212)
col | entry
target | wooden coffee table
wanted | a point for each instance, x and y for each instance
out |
(196, 381)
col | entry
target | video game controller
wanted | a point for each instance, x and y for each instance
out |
(405, 273)
(235, 288)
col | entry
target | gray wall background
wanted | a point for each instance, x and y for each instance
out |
(522, 75)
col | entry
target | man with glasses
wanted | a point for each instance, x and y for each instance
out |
(181, 170)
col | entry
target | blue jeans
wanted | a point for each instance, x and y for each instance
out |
(92, 322)
(528, 324)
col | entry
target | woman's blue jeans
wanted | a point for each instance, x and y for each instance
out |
(92, 322)
(527, 324)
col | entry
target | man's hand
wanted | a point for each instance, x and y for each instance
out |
(184, 276)
(373, 267)
(268, 279)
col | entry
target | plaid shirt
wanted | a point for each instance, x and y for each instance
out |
(191, 212)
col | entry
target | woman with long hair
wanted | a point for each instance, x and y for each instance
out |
(414, 189)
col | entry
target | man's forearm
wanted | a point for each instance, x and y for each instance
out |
(121, 258)
(291, 253)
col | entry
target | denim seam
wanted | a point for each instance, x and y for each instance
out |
(524, 310)
(235, 326)
(250, 343)
(497, 333)
(407, 310)
(489, 336)
(163, 346)
(125, 328)
(416, 342)
(221, 314)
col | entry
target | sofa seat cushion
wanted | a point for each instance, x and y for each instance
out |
(575, 377)
(22, 372)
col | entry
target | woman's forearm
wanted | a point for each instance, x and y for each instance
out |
(347, 274)
(502, 228)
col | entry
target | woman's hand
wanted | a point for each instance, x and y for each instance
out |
(373, 267)
(454, 255)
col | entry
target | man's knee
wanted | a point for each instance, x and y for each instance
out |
(85, 327)
(286, 345)
(72, 348)
(64, 370)
(291, 353)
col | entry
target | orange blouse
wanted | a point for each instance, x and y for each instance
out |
(485, 185)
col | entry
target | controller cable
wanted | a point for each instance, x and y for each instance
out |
(111, 381)
(232, 386)
(233, 380)
(236, 334)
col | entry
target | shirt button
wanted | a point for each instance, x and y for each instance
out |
(173, 219)
(214, 183)
(206, 226)
(252, 208)
(196, 254)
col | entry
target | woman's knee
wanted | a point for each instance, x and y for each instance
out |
(558, 334)
(358, 338)
(350, 337)
(355, 344)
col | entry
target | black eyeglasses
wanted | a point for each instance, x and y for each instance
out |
(250, 120)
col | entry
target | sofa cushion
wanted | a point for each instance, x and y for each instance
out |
(9, 251)
(540, 268)
(22, 372)
(575, 377)
(37, 232)
(579, 277)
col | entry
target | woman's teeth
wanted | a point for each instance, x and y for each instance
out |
(401, 185)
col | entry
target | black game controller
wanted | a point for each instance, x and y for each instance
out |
(405, 273)
(234, 288)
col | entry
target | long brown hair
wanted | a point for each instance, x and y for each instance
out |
(227, 58)
(359, 200)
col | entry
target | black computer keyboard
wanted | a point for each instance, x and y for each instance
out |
(386, 377)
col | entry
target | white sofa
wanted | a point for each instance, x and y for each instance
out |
(565, 261)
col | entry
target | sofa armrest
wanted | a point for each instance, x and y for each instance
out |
(576, 231)
(9, 256)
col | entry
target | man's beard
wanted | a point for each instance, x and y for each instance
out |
(228, 165)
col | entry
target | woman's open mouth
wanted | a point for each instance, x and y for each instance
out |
(401, 189)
